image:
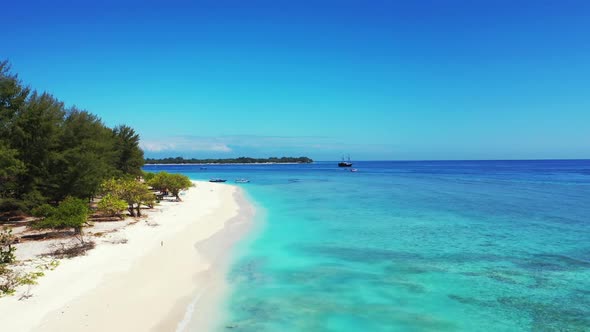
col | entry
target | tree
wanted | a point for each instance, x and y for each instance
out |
(70, 213)
(36, 135)
(158, 181)
(13, 98)
(129, 158)
(87, 155)
(49, 152)
(112, 206)
(164, 181)
(133, 192)
(147, 176)
(10, 169)
(177, 183)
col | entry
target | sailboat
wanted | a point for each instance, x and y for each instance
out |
(345, 163)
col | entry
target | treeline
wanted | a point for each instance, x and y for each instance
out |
(49, 151)
(240, 160)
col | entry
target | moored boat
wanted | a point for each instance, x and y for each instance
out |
(242, 180)
(344, 163)
(217, 180)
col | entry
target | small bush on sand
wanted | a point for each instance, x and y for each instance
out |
(70, 213)
(112, 206)
(6, 246)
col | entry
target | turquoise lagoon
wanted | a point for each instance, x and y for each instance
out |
(412, 246)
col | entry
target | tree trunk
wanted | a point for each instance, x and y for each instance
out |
(79, 234)
(138, 209)
(131, 210)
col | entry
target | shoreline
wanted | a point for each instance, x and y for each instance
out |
(219, 249)
(151, 283)
(227, 164)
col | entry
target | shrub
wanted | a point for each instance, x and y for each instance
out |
(174, 183)
(43, 211)
(6, 248)
(13, 205)
(131, 191)
(70, 213)
(112, 205)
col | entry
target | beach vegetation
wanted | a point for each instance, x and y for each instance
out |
(112, 206)
(71, 213)
(7, 247)
(172, 183)
(10, 169)
(49, 151)
(10, 278)
(147, 176)
(131, 191)
(129, 157)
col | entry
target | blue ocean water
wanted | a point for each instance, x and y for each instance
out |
(413, 246)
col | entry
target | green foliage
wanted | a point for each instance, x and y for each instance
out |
(129, 157)
(147, 176)
(111, 205)
(133, 192)
(10, 279)
(6, 246)
(164, 181)
(43, 211)
(70, 213)
(10, 169)
(12, 204)
(87, 156)
(30, 278)
(49, 152)
(240, 160)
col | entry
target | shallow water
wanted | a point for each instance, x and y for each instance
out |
(413, 246)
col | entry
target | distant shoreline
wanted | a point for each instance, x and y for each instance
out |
(229, 161)
(269, 163)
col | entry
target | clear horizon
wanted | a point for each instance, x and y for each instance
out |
(382, 80)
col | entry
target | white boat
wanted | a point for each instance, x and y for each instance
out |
(242, 181)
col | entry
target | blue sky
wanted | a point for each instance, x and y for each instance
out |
(374, 79)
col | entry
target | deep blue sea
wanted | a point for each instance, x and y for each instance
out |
(412, 246)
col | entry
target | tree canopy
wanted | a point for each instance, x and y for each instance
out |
(174, 183)
(49, 151)
(70, 213)
(131, 191)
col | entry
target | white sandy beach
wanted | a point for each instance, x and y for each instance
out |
(147, 283)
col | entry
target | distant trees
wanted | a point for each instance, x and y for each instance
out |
(240, 160)
(49, 151)
(174, 183)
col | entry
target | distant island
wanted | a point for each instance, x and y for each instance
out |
(240, 160)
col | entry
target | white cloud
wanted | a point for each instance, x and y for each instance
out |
(253, 145)
(185, 143)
